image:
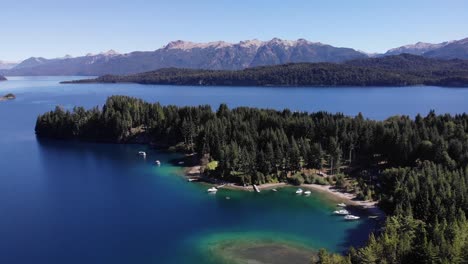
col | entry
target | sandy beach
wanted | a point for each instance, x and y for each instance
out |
(331, 191)
(193, 172)
(347, 198)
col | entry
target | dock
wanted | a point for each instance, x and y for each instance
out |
(256, 189)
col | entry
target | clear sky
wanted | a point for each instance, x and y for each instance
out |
(53, 28)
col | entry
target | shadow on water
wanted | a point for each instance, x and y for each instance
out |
(357, 237)
(82, 147)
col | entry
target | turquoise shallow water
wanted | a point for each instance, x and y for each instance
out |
(72, 202)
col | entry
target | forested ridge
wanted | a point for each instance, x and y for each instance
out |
(417, 168)
(398, 70)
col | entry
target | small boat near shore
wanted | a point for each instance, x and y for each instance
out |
(341, 212)
(212, 190)
(299, 191)
(142, 153)
(274, 190)
(157, 162)
(256, 189)
(351, 217)
(307, 192)
(341, 205)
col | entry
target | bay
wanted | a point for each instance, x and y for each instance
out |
(75, 202)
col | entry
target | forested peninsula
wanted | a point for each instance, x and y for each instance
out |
(416, 168)
(398, 70)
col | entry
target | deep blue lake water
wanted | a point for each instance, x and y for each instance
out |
(70, 202)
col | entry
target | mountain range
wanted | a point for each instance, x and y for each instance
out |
(220, 55)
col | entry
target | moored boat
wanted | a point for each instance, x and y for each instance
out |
(351, 217)
(341, 212)
(157, 162)
(212, 190)
(341, 205)
(307, 192)
(142, 153)
(299, 191)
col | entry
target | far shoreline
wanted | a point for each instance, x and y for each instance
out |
(91, 81)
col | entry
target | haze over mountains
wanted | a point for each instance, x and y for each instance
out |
(219, 55)
(5, 65)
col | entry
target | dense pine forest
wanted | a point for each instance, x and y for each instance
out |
(416, 168)
(399, 70)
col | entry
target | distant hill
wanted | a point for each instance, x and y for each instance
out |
(31, 62)
(416, 49)
(2, 78)
(412, 63)
(85, 65)
(400, 70)
(457, 49)
(453, 50)
(182, 54)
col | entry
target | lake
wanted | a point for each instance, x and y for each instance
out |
(71, 202)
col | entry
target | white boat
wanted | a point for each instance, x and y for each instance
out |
(142, 153)
(158, 163)
(341, 205)
(212, 190)
(274, 190)
(307, 192)
(351, 217)
(256, 189)
(341, 212)
(299, 191)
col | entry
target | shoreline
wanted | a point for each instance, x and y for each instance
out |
(349, 199)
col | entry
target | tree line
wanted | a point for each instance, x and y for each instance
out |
(398, 70)
(416, 167)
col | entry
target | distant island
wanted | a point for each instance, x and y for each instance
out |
(2, 78)
(416, 168)
(398, 70)
(9, 96)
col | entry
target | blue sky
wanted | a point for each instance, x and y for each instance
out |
(53, 28)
